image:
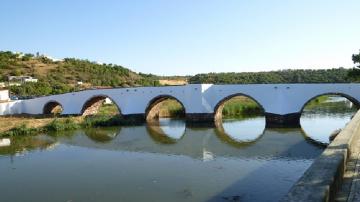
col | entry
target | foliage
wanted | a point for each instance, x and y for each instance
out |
(356, 59)
(55, 125)
(62, 76)
(240, 106)
(339, 75)
(21, 130)
(61, 125)
(102, 120)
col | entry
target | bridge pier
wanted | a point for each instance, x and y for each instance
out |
(133, 119)
(272, 120)
(209, 119)
(202, 119)
(285, 120)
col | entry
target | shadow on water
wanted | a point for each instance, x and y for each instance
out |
(270, 188)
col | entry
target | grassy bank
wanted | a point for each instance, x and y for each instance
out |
(32, 126)
(23, 126)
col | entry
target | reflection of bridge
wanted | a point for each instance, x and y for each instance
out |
(282, 103)
(199, 143)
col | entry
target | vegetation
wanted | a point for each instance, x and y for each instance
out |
(241, 106)
(55, 125)
(356, 59)
(325, 105)
(62, 76)
(339, 75)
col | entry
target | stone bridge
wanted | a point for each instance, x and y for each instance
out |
(202, 103)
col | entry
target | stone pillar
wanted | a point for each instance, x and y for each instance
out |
(285, 120)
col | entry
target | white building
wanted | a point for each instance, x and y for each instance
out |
(22, 79)
(4, 95)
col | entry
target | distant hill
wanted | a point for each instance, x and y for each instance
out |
(63, 75)
(338, 75)
(70, 74)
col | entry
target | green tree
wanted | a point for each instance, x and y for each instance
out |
(356, 59)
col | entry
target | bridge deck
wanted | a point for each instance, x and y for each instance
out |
(350, 189)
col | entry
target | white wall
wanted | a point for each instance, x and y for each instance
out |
(4, 95)
(7, 108)
(196, 98)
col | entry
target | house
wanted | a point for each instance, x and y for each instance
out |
(4, 96)
(21, 79)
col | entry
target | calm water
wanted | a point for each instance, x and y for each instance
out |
(240, 161)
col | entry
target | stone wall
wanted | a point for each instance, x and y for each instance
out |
(324, 177)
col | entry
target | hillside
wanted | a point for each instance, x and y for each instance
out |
(63, 76)
(72, 74)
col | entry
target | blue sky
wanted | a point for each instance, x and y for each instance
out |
(181, 37)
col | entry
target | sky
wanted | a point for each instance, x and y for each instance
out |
(186, 37)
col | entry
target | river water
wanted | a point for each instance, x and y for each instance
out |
(240, 161)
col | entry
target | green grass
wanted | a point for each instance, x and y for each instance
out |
(108, 109)
(241, 106)
(61, 125)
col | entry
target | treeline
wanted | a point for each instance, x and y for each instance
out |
(338, 75)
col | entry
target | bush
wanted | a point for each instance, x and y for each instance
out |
(61, 125)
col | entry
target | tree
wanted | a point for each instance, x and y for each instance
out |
(356, 59)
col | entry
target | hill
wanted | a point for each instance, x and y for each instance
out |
(70, 74)
(66, 75)
(338, 75)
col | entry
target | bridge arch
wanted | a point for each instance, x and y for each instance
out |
(350, 98)
(152, 111)
(93, 104)
(333, 111)
(218, 109)
(53, 107)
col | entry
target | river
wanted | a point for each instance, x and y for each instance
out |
(168, 161)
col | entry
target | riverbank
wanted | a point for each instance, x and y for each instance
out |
(26, 125)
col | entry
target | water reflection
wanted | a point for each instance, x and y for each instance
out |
(203, 164)
(203, 143)
(102, 135)
(239, 132)
(241, 160)
(320, 119)
(22, 145)
(166, 131)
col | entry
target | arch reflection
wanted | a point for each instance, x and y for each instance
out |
(313, 140)
(102, 135)
(166, 130)
(241, 132)
(333, 111)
